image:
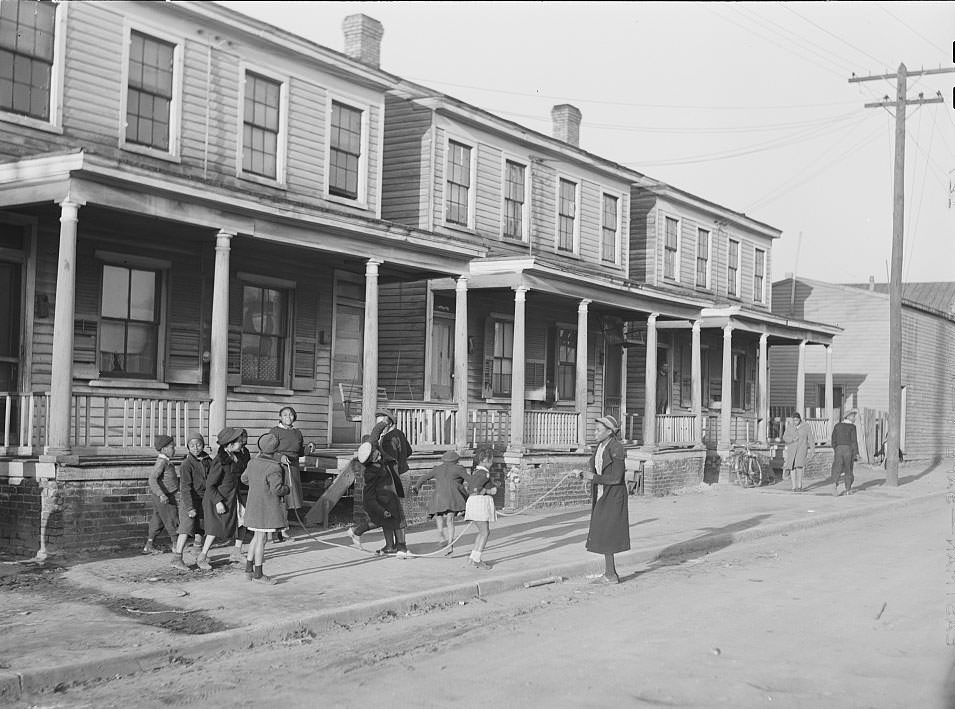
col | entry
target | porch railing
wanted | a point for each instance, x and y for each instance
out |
(426, 424)
(490, 427)
(676, 428)
(550, 429)
(820, 429)
(24, 422)
(743, 429)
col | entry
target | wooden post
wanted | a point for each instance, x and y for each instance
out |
(624, 431)
(61, 368)
(829, 397)
(762, 432)
(369, 378)
(580, 393)
(726, 397)
(650, 385)
(461, 361)
(219, 335)
(801, 380)
(517, 372)
(696, 374)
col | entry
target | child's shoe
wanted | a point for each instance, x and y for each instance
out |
(202, 561)
(257, 575)
(178, 563)
(249, 570)
(354, 537)
(150, 549)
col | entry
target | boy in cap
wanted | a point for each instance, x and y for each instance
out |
(163, 484)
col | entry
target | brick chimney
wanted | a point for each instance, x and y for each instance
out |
(566, 123)
(363, 39)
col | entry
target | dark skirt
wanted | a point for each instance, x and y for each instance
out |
(293, 478)
(609, 521)
(222, 526)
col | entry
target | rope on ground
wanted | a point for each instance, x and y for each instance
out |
(171, 610)
(572, 473)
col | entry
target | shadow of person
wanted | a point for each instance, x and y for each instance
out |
(711, 540)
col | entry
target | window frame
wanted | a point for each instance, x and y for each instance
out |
(708, 260)
(560, 177)
(504, 320)
(281, 148)
(57, 71)
(560, 396)
(618, 232)
(735, 268)
(287, 287)
(676, 251)
(174, 154)
(472, 186)
(364, 107)
(759, 297)
(526, 210)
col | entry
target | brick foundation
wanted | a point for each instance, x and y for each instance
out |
(531, 476)
(668, 470)
(20, 506)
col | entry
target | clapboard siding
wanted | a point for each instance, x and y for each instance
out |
(307, 120)
(590, 217)
(402, 314)
(406, 169)
(490, 191)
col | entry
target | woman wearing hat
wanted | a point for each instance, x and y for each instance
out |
(220, 503)
(449, 494)
(265, 506)
(380, 501)
(609, 531)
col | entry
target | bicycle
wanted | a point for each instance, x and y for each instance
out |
(747, 469)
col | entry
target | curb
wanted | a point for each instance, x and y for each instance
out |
(13, 684)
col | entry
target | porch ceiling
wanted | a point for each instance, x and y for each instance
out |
(91, 179)
(781, 331)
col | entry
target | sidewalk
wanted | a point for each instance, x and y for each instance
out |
(102, 618)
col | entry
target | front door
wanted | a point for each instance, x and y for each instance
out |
(442, 357)
(347, 355)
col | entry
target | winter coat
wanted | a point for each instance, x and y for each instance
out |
(292, 446)
(799, 443)
(395, 451)
(265, 508)
(164, 480)
(192, 481)
(449, 491)
(379, 495)
(609, 531)
(222, 486)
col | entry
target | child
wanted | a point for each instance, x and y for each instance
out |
(265, 511)
(242, 535)
(380, 500)
(219, 503)
(292, 447)
(395, 451)
(163, 484)
(480, 504)
(449, 497)
(192, 486)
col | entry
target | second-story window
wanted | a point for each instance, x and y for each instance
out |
(759, 275)
(260, 126)
(459, 183)
(129, 322)
(26, 57)
(732, 269)
(566, 378)
(566, 215)
(149, 92)
(345, 151)
(608, 246)
(703, 258)
(671, 246)
(514, 187)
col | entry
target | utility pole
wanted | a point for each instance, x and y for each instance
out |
(895, 280)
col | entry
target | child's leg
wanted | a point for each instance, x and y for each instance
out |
(485, 534)
(449, 521)
(180, 543)
(259, 542)
(439, 523)
(797, 475)
(389, 538)
(399, 537)
(610, 570)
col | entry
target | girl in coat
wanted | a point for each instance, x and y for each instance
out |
(480, 505)
(292, 447)
(380, 500)
(449, 499)
(192, 486)
(609, 531)
(799, 447)
(220, 502)
(242, 534)
(265, 508)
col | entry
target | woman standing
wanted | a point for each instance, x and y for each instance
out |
(292, 447)
(265, 511)
(220, 501)
(609, 532)
(799, 448)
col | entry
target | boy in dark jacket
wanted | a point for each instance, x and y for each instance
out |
(192, 486)
(163, 484)
(380, 500)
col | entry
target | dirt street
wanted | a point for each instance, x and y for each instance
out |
(847, 615)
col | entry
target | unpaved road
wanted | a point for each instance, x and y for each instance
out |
(848, 615)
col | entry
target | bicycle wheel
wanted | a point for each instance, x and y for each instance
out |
(754, 471)
(739, 468)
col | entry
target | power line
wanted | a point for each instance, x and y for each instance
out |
(841, 39)
(913, 30)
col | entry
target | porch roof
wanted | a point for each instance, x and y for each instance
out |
(614, 293)
(780, 330)
(87, 178)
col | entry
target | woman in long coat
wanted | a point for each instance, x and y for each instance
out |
(265, 508)
(609, 532)
(220, 501)
(799, 446)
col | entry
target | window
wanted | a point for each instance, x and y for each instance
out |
(703, 258)
(345, 151)
(566, 364)
(732, 269)
(740, 383)
(129, 322)
(261, 126)
(566, 215)
(503, 359)
(149, 94)
(608, 247)
(459, 183)
(514, 191)
(670, 246)
(26, 58)
(759, 274)
(264, 332)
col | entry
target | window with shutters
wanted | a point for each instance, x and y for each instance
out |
(566, 364)
(30, 60)
(502, 364)
(151, 101)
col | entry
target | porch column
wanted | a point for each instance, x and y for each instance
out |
(726, 398)
(829, 397)
(517, 372)
(219, 335)
(650, 385)
(624, 429)
(696, 392)
(580, 393)
(369, 370)
(762, 382)
(801, 380)
(61, 374)
(461, 361)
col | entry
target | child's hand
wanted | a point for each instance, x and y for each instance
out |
(492, 491)
(192, 514)
(387, 513)
(220, 508)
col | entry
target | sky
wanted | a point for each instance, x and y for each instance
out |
(744, 104)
